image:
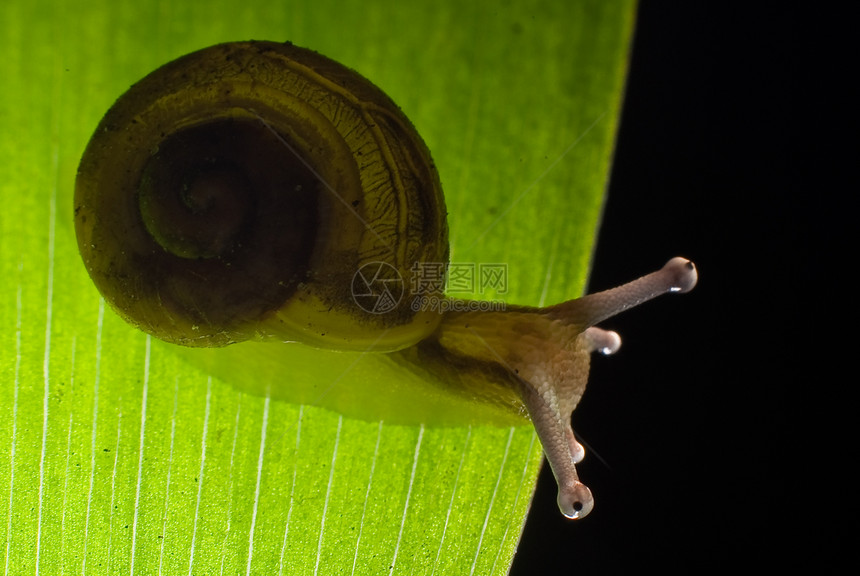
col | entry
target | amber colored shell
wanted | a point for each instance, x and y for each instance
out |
(250, 176)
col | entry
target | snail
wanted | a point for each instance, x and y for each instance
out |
(260, 191)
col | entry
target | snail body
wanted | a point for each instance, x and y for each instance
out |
(260, 191)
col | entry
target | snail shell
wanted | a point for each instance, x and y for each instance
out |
(238, 192)
(233, 194)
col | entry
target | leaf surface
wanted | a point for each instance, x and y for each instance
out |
(117, 455)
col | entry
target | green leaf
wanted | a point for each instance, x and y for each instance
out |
(117, 455)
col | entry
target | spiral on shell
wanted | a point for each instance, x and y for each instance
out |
(246, 176)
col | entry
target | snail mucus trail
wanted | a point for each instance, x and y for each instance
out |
(233, 194)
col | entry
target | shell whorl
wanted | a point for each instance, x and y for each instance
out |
(240, 177)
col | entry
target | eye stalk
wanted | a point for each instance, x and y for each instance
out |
(678, 275)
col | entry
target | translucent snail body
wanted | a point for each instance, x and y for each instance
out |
(258, 191)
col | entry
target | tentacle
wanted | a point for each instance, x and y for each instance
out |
(606, 342)
(559, 446)
(577, 450)
(678, 275)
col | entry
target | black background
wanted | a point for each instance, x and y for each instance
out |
(716, 434)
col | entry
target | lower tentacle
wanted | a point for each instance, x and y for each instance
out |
(562, 452)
